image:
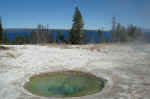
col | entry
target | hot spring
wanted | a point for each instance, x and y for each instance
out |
(64, 84)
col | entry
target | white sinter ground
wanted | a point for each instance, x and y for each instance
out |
(125, 66)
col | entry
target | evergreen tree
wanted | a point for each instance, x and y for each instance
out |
(118, 32)
(135, 33)
(26, 39)
(76, 33)
(113, 29)
(123, 34)
(5, 40)
(92, 39)
(19, 40)
(132, 31)
(40, 35)
(100, 34)
(1, 31)
(61, 37)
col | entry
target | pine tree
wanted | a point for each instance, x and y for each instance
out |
(100, 34)
(132, 31)
(113, 29)
(118, 31)
(92, 39)
(123, 34)
(26, 39)
(76, 33)
(19, 40)
(5, 40)
(40, 35)
(1, 31)
(61, 37)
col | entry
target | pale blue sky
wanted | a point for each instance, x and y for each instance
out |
(58, 13)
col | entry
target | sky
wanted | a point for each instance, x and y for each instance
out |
(59, 13)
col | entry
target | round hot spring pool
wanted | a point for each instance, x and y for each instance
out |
(64, 84)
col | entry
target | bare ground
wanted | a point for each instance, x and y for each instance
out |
(125, 66)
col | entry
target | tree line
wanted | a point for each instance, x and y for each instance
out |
(77, 33)
(127, 34)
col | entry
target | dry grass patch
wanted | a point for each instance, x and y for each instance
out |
(65, 46)
(98, 47)
(10, 55)
(92, 47)
(4, 48)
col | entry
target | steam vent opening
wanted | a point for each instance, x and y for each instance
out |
(64, 84)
